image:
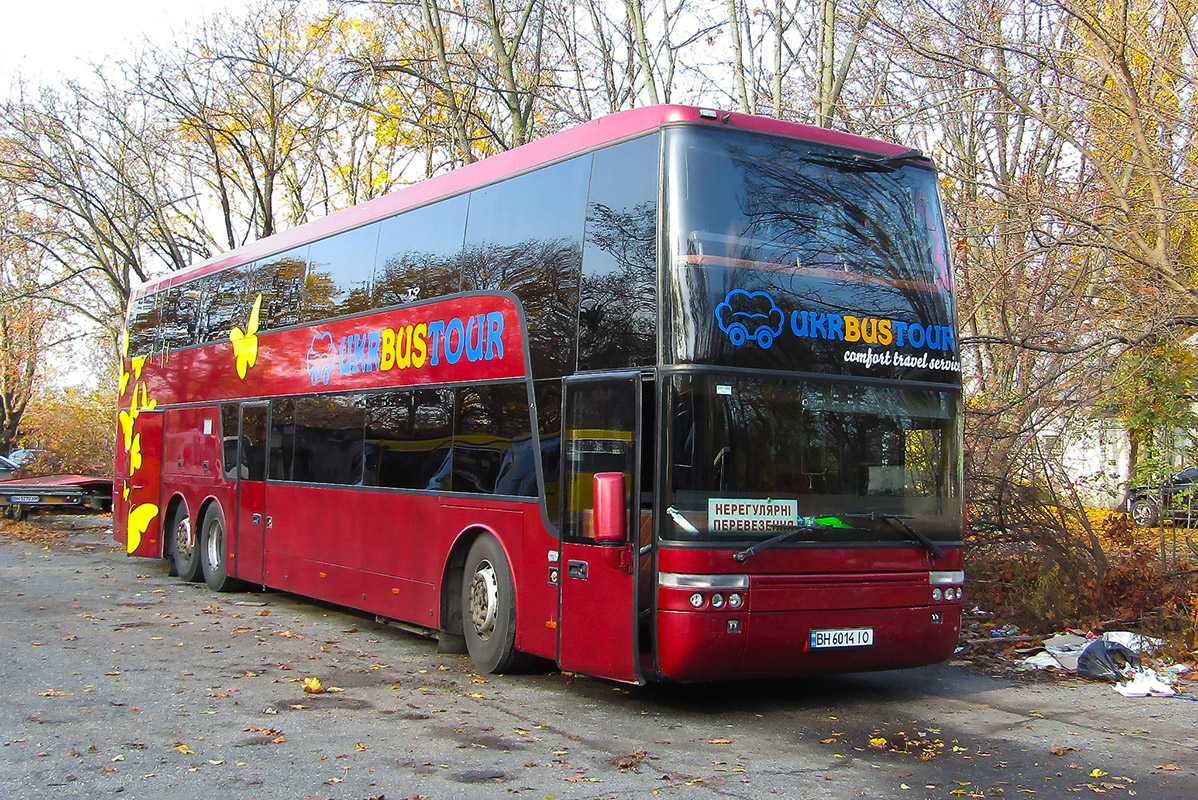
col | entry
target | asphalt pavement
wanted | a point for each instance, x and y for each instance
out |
(119, 680)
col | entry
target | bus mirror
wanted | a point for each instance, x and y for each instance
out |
(611, 514)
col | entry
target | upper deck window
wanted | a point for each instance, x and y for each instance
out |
(784, 254)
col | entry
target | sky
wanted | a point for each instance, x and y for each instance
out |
(44, 38)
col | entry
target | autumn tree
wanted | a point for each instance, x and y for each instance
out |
(25, 315)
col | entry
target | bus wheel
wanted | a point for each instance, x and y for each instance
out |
(213, 552)
(185, 556)
(489, 608)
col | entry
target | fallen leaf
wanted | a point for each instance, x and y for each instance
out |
(53, 693)
(719, 741)
(313, 686)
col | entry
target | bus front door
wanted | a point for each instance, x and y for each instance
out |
(252, 522)
(597, 626)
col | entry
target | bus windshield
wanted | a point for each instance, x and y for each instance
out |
(751, 456)
(790, 246)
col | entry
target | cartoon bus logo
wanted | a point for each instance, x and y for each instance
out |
(322, 358)
(750, 316)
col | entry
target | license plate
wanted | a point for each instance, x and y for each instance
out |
(841, 637)
(23, 498)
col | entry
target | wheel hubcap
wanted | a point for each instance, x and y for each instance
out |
(184, 539)
(484, 600)
(215, 536)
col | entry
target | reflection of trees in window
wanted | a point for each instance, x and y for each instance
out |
(222, 303)
(781, 204)
(418, 252)
(543, 273)
(618, 304)
(409, 276)
(320, 297)
(144, 325)
(280, 281)
(924, 462)
(179, 313)
(863, 223)
(340, 269)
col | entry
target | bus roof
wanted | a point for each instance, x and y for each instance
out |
(557, 146)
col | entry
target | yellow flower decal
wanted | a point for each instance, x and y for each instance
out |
(125, 491)
(245, 344)
(146, 403)
(139, 522)
(127, 419)
(124, 381)
(138, 363)
(135, 455)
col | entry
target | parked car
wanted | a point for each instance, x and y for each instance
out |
(19, 457)
(7, 468)
(1175, 498)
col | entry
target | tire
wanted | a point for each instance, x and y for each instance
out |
(1145, 512)
(489, 609)
(185, 555)
(214, 551)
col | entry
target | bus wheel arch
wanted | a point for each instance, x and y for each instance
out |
(182, 540)
(486, 613)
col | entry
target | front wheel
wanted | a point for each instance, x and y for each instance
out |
(489, 609)
(185, 556)
(1145, 512)
(215, 553)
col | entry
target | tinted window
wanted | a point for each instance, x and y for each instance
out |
(418, 253)
(408, 438)
(492, 443)
(230, 414)
(280, 279)
(143, 326)
(549, 426)
(618, 314)
(254, 441)
(328, 439)
(525, 236)
(222, 304)
(847, 454)
(179, 316)
(340, 269)
(282, 438)
(792, 255)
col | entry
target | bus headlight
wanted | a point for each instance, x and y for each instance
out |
(717, 601)
(735, 600)
(936, 594)
(696, 600)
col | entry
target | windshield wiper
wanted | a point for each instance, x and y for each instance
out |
(900, 520)
(861, 163)
(805, 524)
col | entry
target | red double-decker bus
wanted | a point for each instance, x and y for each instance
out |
(673, 395)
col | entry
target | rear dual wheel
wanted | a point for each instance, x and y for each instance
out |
(215, 551)
(185, 556)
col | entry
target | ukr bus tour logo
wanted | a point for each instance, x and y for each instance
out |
(322, 358)
(750, 316)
